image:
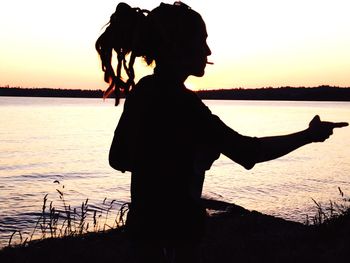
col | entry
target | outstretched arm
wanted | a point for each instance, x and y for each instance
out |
(277, 146)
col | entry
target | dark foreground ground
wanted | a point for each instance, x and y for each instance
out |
(237, 235)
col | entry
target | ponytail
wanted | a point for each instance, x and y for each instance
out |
(136, 32)
(121, 35)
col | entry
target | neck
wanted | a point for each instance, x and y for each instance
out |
(170, 75)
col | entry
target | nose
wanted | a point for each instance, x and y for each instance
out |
(207, 50)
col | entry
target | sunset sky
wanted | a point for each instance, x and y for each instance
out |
(255, 43)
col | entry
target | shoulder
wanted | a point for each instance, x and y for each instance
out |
(191, 95)
(145, 81)
(196, 103)
(144, 85)
(141, 90)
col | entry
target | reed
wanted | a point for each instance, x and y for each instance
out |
(67, 221)
(329, 212)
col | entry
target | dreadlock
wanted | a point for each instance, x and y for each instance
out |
(121, 36)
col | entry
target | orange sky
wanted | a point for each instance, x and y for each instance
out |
(254, 43)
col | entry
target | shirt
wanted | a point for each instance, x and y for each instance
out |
(167, 138)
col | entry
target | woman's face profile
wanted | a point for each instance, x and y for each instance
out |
(194, 57)
(188, 51)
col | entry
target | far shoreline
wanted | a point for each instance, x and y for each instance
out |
(320, 93)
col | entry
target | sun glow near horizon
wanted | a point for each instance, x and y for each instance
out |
(254, 43)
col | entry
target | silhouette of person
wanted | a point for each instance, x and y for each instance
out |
(166, 137)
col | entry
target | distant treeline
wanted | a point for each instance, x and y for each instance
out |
(47, 92)
(321, 93)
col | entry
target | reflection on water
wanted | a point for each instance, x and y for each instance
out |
(48, 139)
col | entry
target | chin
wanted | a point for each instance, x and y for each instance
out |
(199, 72)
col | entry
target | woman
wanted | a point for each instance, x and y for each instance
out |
(166, 137)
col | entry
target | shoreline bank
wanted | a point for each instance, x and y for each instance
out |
(234, 234)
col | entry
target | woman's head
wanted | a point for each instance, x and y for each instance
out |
(174, 36)
(177, 39)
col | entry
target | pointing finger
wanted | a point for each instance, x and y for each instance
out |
(339, 124)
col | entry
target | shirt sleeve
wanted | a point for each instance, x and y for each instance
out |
(241, 149)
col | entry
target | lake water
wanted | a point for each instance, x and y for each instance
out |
(67, 139)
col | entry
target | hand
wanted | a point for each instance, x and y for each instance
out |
(319, 130)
